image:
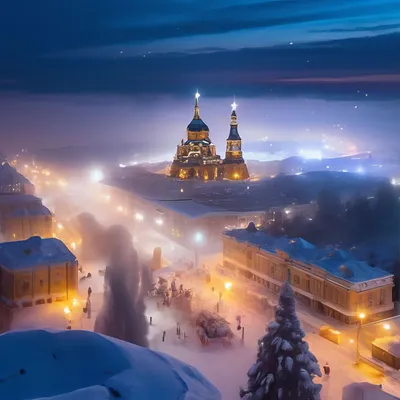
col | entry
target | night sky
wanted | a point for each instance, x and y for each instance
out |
(75, 72)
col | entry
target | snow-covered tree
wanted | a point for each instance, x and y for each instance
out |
(285, 367)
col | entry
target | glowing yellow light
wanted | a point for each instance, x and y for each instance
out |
(386, 326)
(236, 176)
(351, 340)
(361, 315)
(75, 303)
(59, 226)
(67, 311)
(73, 246)
(228, 285)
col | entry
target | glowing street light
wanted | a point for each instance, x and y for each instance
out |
(361, 317)
(228, 285)
(139, 217)
(198, 237)
(96, 176)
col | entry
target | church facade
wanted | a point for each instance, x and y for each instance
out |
(197, 158)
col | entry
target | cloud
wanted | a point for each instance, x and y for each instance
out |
(375, 28)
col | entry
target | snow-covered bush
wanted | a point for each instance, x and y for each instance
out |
(212, 326)
(285, 367)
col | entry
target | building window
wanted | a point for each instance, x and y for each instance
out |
(273, 269)
(308, 287)
(381, 296)
(25, 287)
(296, 279)
(370, 300)
(41, 283)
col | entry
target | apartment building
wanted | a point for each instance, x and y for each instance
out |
(328, 280)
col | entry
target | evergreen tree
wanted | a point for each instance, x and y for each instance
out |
(285, 367)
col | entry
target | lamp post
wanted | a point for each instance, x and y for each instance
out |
(361, 316)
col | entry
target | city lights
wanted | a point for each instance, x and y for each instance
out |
(361, 316)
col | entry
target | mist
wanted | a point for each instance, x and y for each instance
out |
(126, 281)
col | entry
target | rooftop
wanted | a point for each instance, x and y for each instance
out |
(34, 252)
(197, 125)
(338, 263)
(10, 176)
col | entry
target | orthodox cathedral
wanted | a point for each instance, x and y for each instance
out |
(197, 156)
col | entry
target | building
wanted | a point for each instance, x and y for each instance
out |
(23, 216)
(37, 271)
(328, 280)
(196, 157)
(365, 391)
(12, 181)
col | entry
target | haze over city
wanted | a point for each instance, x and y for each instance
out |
(200, 200)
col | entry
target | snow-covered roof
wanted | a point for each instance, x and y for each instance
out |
(391, 344)
(187, 207)
(85, 365)
(338, 263)
(365, 391)
(34, 252)
(10, 176)
(18, 199)
(31, 211)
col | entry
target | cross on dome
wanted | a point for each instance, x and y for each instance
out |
(234, 105)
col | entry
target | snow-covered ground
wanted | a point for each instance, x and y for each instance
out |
(86, 365)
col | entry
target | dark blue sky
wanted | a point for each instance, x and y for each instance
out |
(63, 60)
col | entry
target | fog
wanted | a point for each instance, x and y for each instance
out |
(126, 281)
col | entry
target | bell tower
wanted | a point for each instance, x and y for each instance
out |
(234, 165)
(234, 142)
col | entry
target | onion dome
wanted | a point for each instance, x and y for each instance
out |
(197, 124)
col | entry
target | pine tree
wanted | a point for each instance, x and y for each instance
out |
(285, 367)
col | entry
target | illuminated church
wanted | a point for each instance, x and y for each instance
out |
(197, 156)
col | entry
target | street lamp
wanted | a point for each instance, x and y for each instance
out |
(198, 239)
(386, 327)
(361, 316)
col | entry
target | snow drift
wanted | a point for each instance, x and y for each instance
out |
(77, 365)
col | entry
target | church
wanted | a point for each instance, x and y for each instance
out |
(197, 158)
